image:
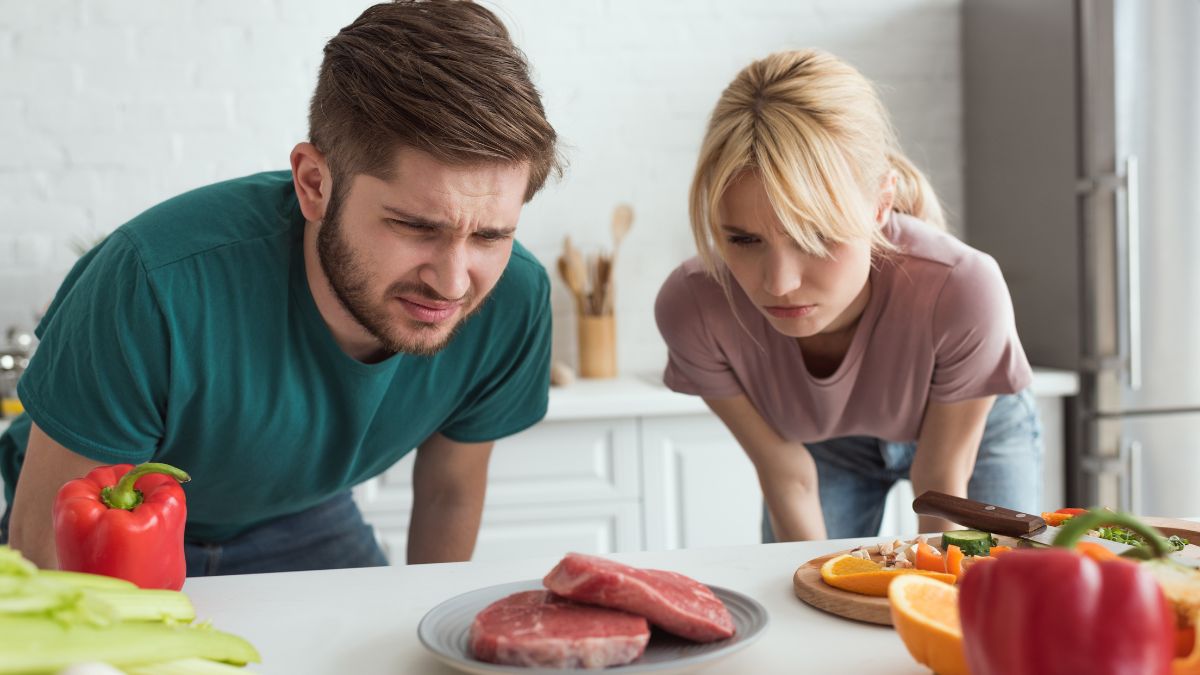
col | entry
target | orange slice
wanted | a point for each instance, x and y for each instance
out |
(868, 577)
(925, 614)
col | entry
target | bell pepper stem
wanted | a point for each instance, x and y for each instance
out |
(1078, 526)
(124, 496)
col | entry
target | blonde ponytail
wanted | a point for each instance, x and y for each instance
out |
(914, 194)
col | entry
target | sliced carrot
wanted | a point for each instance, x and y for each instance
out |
(1000, 550)
(1095, 551)
(928, 558)
(954, 559)
(1056, 519)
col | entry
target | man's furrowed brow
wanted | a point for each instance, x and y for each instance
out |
(416, 220)
(438, 225)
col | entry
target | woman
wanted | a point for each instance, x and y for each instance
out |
(832, 324)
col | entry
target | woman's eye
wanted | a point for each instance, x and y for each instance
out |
(741, 239)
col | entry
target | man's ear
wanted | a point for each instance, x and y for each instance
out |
(312, 180)
(887, 198)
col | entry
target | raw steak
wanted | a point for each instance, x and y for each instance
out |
(671, 601)
(538, 628)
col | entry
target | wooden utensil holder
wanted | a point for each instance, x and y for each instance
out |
(597, 346)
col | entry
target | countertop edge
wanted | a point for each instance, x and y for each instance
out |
(644, 395)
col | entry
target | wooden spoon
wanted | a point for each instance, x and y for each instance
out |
(622, 220)
(574, 272)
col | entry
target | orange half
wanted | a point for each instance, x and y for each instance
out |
(925, 614)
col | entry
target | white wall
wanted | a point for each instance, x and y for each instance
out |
(108, 106)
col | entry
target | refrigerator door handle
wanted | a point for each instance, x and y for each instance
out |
(1133, 275)
(1133, 482)
(1122, 467)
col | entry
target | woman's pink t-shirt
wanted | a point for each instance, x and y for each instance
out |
(938, 327)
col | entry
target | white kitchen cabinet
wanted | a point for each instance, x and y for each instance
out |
(561, 484)
(701, 489)
(626, 464)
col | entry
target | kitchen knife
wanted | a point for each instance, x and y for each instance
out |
(999, 520)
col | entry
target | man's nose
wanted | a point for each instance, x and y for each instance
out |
(782, 272)
(448, 273)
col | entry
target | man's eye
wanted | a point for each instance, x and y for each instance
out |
(492, 236)
(418, 227)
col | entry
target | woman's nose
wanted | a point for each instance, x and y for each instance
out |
(782, 273)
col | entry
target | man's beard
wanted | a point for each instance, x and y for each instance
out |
(350, 280)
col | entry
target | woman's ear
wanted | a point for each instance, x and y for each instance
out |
(312, 180)
(887, 197)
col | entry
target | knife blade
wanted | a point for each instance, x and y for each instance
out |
(999, 520)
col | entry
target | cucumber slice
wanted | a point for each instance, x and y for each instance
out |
(972, 542)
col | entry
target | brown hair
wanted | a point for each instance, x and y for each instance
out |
(441, 76)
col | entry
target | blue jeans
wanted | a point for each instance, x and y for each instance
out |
(330, 535)
(855, 473)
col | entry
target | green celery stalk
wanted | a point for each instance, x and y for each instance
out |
(145, 604)
(36, 644)
(85, 580)
(186, 667)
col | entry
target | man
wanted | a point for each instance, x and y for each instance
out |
(285, 336)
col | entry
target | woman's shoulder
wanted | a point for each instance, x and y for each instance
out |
(928, 254)
(920, 242)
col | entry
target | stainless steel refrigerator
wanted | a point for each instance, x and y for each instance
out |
(1082, 130)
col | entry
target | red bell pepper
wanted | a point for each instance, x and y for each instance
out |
(124, 521)
(1056, 612)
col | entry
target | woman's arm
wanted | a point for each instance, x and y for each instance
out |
(786, 471)
(946, 450)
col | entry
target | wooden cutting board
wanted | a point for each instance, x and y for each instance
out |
(809, 587)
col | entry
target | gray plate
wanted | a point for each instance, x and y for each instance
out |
(444, 631)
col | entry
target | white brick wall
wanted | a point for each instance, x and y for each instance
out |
(108, 106)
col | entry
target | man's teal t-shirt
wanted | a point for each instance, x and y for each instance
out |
(189, 336)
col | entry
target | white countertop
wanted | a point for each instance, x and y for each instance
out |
(643, 394)
(365, 621)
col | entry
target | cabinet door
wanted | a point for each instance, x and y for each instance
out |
(511, 532)
(556, 487)
(700, 488)
(552, 462)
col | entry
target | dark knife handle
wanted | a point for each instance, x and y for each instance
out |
(977, 515)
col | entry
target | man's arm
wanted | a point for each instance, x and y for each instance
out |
(786, 471)
(449, 482)
(946, 451)
(47, 467)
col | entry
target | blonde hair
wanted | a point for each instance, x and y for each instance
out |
(814, 130)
